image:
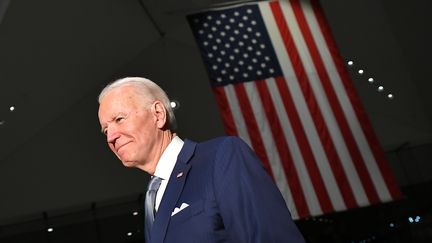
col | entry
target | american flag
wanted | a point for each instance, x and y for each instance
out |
(281, 85)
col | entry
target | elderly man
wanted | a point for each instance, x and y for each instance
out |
(214, 191)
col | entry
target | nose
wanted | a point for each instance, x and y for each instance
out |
(112, 135)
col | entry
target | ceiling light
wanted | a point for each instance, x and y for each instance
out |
(12, 108)
(350, 63)
(174, 104)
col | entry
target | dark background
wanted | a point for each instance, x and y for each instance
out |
(55, 56)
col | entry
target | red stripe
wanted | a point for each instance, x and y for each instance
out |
(305, 148)
(312, 104)
(283, 149)
(225, 111)
(252, 127)
(356, 104)
(356, 156)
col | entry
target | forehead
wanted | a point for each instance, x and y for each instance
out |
(121, 98)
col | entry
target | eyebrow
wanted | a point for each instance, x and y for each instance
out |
(112, 119)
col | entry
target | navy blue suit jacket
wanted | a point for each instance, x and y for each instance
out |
(231, 198)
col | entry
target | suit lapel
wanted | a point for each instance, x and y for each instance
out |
(172, 192)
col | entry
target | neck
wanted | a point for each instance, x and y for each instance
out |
(166, 137)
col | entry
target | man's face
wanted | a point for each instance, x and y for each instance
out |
(129, 126)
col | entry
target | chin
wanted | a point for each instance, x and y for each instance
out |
(129, 164)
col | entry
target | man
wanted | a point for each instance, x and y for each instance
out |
(215, 191)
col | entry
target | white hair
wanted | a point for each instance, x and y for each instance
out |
(149, 91)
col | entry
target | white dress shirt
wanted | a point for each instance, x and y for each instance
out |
(166, 165)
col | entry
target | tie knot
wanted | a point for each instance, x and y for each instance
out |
(154, 183)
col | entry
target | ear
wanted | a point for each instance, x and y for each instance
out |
(159, 113)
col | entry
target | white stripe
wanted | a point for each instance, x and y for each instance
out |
(237, 114)
(295, 151)
(270, 146)
(353, 122)
(304, 113)
(323, 103)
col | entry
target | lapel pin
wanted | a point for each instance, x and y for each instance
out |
(179, 174)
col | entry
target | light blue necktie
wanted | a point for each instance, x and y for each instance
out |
(150, 204)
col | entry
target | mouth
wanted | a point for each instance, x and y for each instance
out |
(121, 146)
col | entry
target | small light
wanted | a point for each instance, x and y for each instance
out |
(2, 122)
(410, 219)
(12, 108)
(392, 225)
(370, 80)
(129, 234)
(390, 96)
(350, 63)
(417, 219)
(135, 213)
(380, 88)
(50, 229)
(360, 71)
(174, 104)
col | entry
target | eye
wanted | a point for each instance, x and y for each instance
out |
(119, 119)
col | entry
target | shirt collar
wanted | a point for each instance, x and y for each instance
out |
(168, 159)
